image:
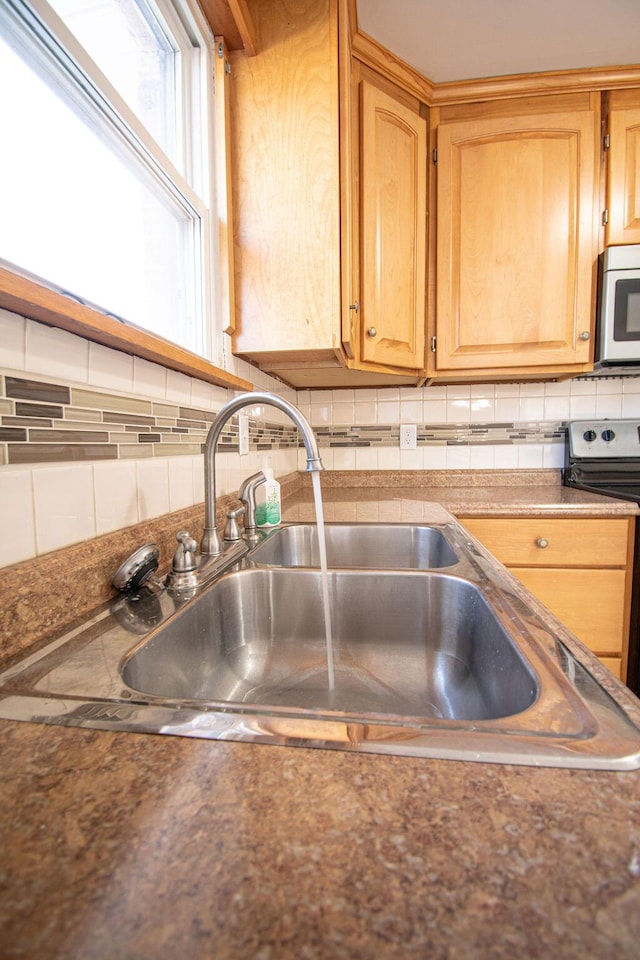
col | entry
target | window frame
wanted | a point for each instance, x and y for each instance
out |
(36, 299)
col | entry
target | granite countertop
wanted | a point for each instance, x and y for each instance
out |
(127, 845)
(131, 845)
(387, 496)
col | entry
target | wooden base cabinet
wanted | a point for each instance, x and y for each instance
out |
(581, 569)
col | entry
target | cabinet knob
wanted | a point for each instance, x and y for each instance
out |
(585, 335)
(355, 306)
(371, 332)
(542, 542)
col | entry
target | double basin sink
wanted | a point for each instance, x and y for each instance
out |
(432, 651)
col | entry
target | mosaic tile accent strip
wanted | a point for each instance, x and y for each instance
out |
(52, 423)
(444, 434)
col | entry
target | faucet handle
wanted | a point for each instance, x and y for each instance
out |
(184, 559)
(232, 530)
(247, 494)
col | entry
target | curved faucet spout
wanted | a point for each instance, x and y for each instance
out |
(211, 544)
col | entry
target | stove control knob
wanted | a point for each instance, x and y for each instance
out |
(608, 435)
(589, 435)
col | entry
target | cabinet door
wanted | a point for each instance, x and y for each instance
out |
(623, 168)
(591, 603)
(393, 212)
(517, 236)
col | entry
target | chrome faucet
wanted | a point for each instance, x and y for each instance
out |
(211, 544)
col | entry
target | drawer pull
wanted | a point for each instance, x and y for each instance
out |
(542, 542)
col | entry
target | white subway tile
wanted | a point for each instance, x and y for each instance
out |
(110, 368)
(530, 455)
(532, 389)
(582, 388)
(458, 457)
(365, 412)
(458, 391)
(366, 395)
(553, 456)
(64, 505)
(153, 487)
(482, 456)
(344, 458)
(178, 387)
(388, 394)
(557, 407)
(149, 379)
(56, 353)
(434, 393)
(505, 456)
(531, 407)
(198, 477)
(482, 409)
(435, 411)
(389, 458)
(320, 414)
(116, 495)
(458, 410)
(181, 480)
(17, 521)
(606, 385)
(366, 458)
(631, 405)
(557, 388)
(483, 391)
(411, 411)
(202, 394)
(583, 408)
(12, 340)
(326, 455)
(504, 390)
(435, 457)
(507, 410)
(343, 412)
(608, 405)
(411, 459)
(389, 411)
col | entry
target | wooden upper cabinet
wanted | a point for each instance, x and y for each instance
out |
(517, 187)
(286, 187)
(393, 223)
(623, 168)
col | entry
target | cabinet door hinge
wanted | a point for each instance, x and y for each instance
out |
(432, 344)
(434, 156)
(605, 217)
(606, 141)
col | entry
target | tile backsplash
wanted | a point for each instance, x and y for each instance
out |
(92, 440)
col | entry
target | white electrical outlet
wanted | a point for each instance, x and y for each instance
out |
(408, 436)
(243, 434)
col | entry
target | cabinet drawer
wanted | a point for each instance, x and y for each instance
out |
(590, 603)
(614, 664)
(540, 541)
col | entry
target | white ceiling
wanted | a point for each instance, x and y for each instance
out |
(467, 39)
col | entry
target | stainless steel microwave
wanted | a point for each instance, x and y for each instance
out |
(619, 306)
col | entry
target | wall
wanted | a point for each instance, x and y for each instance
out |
(93, 440)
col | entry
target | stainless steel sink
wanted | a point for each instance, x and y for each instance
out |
(426, 646)
(358, 545)
(455, 663)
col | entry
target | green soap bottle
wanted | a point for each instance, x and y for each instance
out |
(269, 513)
